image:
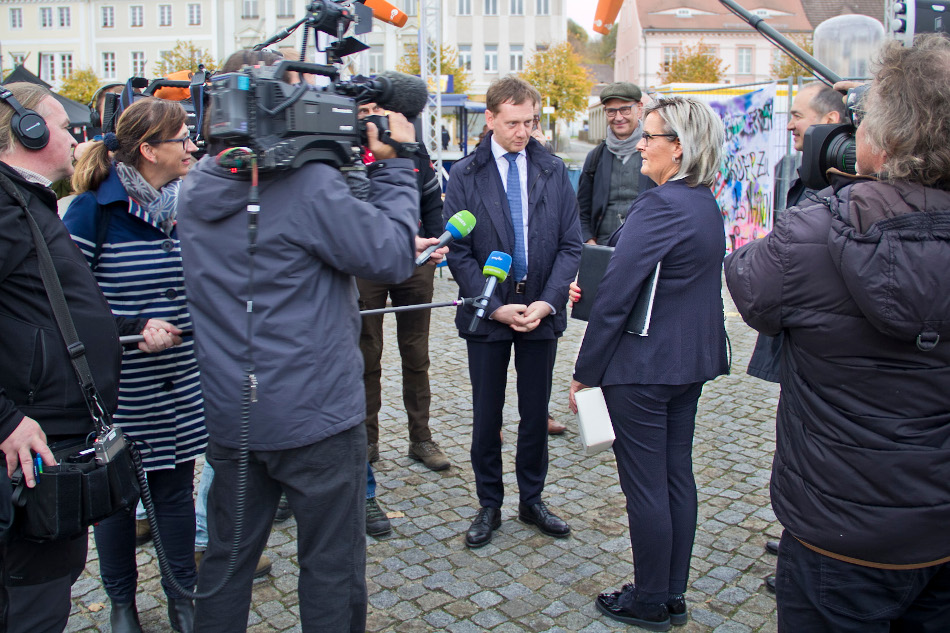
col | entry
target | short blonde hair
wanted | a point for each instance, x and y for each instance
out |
(701, 135)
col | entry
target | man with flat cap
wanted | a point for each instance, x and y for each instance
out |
(611, 178)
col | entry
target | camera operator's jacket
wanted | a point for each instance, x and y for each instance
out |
(314, 236)
(859, 286)
(36, 376)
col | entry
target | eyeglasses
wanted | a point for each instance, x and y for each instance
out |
(649, 137)
(184, 140)
(612, 112)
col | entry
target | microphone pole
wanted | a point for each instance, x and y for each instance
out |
(134, 339)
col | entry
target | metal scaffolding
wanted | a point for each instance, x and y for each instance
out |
(430, 67)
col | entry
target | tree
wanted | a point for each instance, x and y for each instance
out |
(783, 66)
(185, 56)
(578, 38)
(563, 82)
(409, 64)
(81, 85)
(606, 46)
(694, 64)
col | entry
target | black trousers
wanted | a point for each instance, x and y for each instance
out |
(654, 429)
(488, 370)
(819, 594)
(325, 483)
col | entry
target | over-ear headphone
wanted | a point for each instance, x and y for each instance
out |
(28, 127)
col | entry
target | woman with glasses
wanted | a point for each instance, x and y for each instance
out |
(124, 222)
(652, 383)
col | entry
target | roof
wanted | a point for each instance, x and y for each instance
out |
(711, 15)
(820, 10)
(78, 113)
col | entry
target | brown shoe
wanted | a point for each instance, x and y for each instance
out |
(429, 453)
(264, 564)
(143, 532)
(555, 427)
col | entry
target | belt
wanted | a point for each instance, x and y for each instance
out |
(520, 287)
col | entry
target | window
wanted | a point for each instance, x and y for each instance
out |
(465, 56)
(412, 7)
(517, 7)
(544, 7)
(66, 65)
(108, 17)
(108, 65)
(250, 9)
(491, 58)
(285, 8)
(64, 18)
(137, 15)
(516, 58)
(46, 17)
(138, 64)
(465, 7)
(48, 66)
(375, 63)
(491, 7)
(670, 55)
(18, 59)
(16, 18)
(744, 61)
(194, 15)
(164, 15)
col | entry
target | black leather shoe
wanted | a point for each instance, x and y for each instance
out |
(770, 583)
(771, 547)
(549, 523)
(676, 605)
(124, 618)
(646, 615)
(181, 614)
(486, 521)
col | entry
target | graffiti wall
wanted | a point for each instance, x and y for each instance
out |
(744, 186)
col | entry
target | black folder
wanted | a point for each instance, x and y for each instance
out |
(594, 260)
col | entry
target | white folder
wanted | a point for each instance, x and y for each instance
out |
(593, 420)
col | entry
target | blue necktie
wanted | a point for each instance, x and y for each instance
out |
(519, 261)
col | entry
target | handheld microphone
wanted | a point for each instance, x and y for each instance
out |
(458, 226)
(496, 269)
(386, 12)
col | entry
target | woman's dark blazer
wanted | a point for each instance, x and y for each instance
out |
(682, 227)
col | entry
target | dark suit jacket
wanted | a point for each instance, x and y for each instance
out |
(682, 227)
(554, 238)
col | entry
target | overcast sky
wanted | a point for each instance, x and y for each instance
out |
(582, 12)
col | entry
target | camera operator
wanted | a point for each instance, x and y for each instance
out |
(277, 336)
(858, 285)
(40, 397)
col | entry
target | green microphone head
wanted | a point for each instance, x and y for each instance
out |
(460, 224)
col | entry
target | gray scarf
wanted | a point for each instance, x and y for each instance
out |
(161, 206)
(624, 149)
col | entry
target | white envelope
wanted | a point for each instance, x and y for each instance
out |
(593, 420)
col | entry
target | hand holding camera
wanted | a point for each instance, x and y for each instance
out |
(400, 131)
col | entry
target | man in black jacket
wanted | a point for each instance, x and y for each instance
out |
(611, 178)
(858, 283)
(412, 328)
(40, 397)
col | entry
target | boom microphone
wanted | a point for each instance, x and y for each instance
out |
(496, 269)
(405, 94)
(386, 12)
(458, 226)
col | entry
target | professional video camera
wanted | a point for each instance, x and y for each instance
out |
(287, 125)
(833, 145)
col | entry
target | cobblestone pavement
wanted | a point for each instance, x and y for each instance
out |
(423, 578)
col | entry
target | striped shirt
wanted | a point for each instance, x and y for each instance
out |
(140, 274)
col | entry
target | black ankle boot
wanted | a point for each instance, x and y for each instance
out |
(181, 614)
(124, 618)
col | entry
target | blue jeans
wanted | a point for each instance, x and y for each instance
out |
(201, 508)
(816, 593)
(172, 491)
(370, 482)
